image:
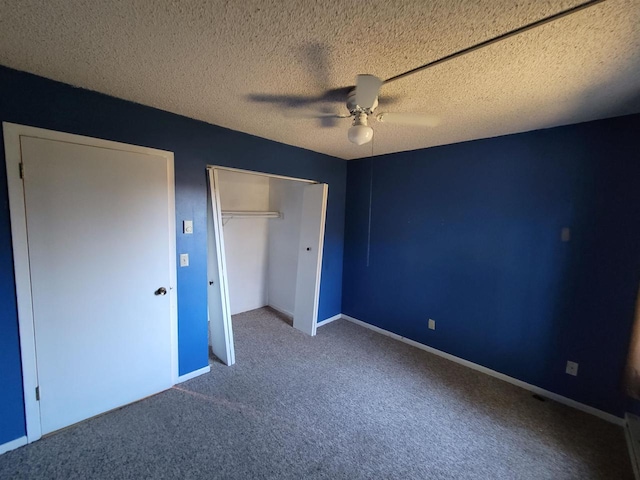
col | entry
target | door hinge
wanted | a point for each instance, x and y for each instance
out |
(38, 394)
(21, 170)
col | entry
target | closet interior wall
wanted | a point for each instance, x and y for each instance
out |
(285, 196)
(261, 253)
(245, 239)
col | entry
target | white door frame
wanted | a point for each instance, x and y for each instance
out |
(228, 356)
(13, 156)
(301, 304)
(223, 278)
(263, 174)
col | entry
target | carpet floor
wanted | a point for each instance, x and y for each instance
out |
(346, 404)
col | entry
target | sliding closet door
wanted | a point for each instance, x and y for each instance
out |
(220, 329)
(314, 208)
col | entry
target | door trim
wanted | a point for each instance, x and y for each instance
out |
(319, 257)
(262, 174)
(212, 171)
(221, 260)
(13, 156)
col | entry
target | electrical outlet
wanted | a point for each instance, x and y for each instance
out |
(432, 324)
(184, 259)
(572, 368)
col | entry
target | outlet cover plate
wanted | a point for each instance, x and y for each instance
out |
(572, 368)
(432, 324)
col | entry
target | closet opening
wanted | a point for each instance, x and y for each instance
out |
(265, 236)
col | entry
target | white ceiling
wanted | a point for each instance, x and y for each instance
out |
(230, 62)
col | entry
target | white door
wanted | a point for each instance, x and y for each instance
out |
(100, 254)
(314, 209)
(220, 328)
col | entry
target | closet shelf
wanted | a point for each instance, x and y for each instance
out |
(229, 214)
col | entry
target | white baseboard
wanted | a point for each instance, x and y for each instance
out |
(284, 312)
(527, 386)
(289, 315)
(194, 374)
(13, 444)
(329, 320)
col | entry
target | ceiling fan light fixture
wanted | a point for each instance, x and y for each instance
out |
(360, 133)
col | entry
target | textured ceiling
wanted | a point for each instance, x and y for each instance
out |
(263, 66)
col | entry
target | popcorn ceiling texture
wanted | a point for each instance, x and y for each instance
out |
(257, 66)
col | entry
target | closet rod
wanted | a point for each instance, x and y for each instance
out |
(249, 214)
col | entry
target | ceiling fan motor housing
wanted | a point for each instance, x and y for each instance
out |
(354, 108)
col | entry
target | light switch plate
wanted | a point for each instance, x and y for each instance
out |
(184, 259)
(572, 368)
(187, 227)
(432, 324)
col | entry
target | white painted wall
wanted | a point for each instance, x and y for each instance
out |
(246, 239)
(285, 196)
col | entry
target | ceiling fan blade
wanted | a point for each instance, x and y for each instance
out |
(337, 95)
(289, 101)
(325, 119)
(315, 115)
(409, 119)
(367, 89)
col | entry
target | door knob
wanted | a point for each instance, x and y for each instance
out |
(160, 291)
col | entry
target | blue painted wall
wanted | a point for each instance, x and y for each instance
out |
(469, 235)
(31, 100)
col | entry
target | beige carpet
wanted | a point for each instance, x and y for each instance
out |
(347, 404)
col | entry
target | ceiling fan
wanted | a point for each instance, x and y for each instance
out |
(362, 99)
(362, 102)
